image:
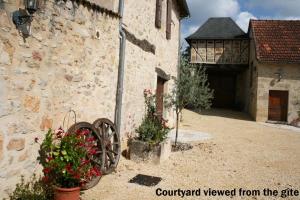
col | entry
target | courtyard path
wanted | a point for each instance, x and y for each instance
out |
(241, 154)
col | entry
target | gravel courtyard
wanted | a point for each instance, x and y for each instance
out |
(241, 154)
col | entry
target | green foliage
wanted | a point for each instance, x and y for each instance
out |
(34, 189)
(64, 157)
(152, 129)
(192, 88)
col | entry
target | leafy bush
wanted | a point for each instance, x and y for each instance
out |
(34, 189)
(152, 129)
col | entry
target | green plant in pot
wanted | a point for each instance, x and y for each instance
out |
(153, 128)
(64, 157)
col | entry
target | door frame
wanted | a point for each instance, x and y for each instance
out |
(160, 91)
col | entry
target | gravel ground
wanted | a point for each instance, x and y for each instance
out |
(241, 154)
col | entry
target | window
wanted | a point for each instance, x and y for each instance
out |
(169, 19)
(158, 13)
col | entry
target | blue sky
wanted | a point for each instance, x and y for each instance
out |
(239, 10)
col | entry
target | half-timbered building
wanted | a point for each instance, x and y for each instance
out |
(257, 72)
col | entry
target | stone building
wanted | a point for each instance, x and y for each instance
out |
(69, 59)
(257, 72)
(275, 70)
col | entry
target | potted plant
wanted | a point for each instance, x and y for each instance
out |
(65, 160)
(150, 143)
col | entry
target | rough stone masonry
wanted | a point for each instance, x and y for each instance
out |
(69, 61)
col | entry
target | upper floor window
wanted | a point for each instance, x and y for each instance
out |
(158, 13)
(158, 16)
(169, 19)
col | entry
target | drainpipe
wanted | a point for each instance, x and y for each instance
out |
(120, 85)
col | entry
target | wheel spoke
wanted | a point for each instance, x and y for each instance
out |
(111, 157)
(112, 151)
(95, 161)
(111, 144)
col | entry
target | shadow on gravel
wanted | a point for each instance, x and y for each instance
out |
(226, 113)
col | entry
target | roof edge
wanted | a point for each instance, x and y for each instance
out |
(184, 8)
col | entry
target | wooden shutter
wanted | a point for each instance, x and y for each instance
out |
(169, 19)
(158, 13)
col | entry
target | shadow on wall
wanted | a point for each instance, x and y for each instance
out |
(225, 113)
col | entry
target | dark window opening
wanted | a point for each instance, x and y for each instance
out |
(158, 13)
(169, 19)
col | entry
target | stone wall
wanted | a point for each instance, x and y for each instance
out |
(69, 61)
(251, 89)
(140, 74)
(268, 80)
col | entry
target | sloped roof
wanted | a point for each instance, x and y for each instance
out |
(218, 28)
(276, 41)
(184, 9)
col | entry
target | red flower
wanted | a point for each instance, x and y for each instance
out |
(46, 170)
(49, 158)
(92, 151)
(69, 168)
(84, 162)
(59, 132)
(96, 171)
(82, 132)
(85, 132)
(76, 176)
(45, 179)
(81, 144)
(90, 139)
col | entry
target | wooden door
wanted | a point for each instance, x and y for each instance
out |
(160, 97)
(278, 105)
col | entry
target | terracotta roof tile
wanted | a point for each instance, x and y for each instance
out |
(277, 41)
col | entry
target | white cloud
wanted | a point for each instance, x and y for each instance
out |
(192, 29)
(203, 9)
(280, 8)
(243, 20)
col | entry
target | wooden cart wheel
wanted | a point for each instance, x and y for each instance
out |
(112, 144)
(97, 159)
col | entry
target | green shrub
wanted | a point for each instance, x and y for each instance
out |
(152, 129)
(34, 189)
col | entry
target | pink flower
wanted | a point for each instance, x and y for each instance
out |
(147, 92)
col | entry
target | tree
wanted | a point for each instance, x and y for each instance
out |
(191, 88)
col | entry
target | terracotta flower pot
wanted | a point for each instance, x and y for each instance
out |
(66, 193)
